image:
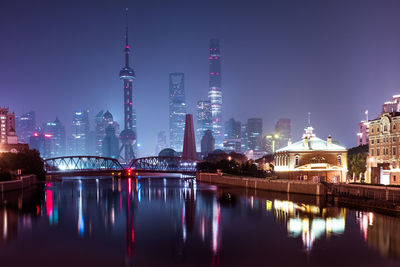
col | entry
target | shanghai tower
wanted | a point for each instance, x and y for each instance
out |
(127, 136)
(215, 91)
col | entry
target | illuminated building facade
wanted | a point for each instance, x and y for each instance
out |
(128, 135)
(254, 134)
(215, 91)
(177, 110)
(204, 120)
(312, 159)
(7, 127)
(392, 106)
(233, 136)
(384, 145)
(80, 133)
(26, 126)
(53, 136)
(102, 121)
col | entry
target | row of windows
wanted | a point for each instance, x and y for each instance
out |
(284, 161)
(384, 140)
(385, 128)
(385, 151)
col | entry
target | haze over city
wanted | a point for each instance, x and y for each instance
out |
(280, 59)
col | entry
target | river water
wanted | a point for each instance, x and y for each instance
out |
(177, 222)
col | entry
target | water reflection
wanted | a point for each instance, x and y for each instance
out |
(126, 222)
(309, 221)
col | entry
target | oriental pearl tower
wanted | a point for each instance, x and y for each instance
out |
(127, 136)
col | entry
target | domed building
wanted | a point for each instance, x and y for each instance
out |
(168, 152)
(312, 159)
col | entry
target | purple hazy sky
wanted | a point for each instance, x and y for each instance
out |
(334, 58)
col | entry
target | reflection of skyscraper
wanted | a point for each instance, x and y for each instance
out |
(177, 110)
(80, 131)
(204, 120)
(254, 133)
(215, 90)
(25, 126)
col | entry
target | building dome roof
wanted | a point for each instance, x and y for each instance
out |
(167, 152)
(108, 115)
(312, 144)
(218, 152)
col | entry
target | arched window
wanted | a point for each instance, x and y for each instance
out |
(339, 160)
(297, 160)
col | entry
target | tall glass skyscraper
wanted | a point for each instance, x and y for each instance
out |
(80, 131)
(26, 125)
(215, 91)
(177, 110)
(254, 133)
(204, 120)
(54, 138)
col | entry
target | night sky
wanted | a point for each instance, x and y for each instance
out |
(279, 59)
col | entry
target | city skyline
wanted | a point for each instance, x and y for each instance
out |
(288, 68)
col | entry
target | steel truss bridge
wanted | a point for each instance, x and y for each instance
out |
(97, 165)
(164, 164)
(81, 164)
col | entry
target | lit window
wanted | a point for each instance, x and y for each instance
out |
(394, 151)
(377, 152)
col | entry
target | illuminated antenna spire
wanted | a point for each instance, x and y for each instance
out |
(126, 29)
(309, 118)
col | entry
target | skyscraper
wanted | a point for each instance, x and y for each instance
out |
(80, 131)
(54, 138)
(161, 141)
(102, 121)
(177, 110)
(110, 144)
(207, 143)
(7, 125)
(283, 130)
(128, 136)
(254, 134)
(215, 91)
(204, 120)
(25, 126)
(189, 142)
(233, 136)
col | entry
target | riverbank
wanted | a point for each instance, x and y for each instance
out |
(25, 182)
(286, 186)
(379, 198)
